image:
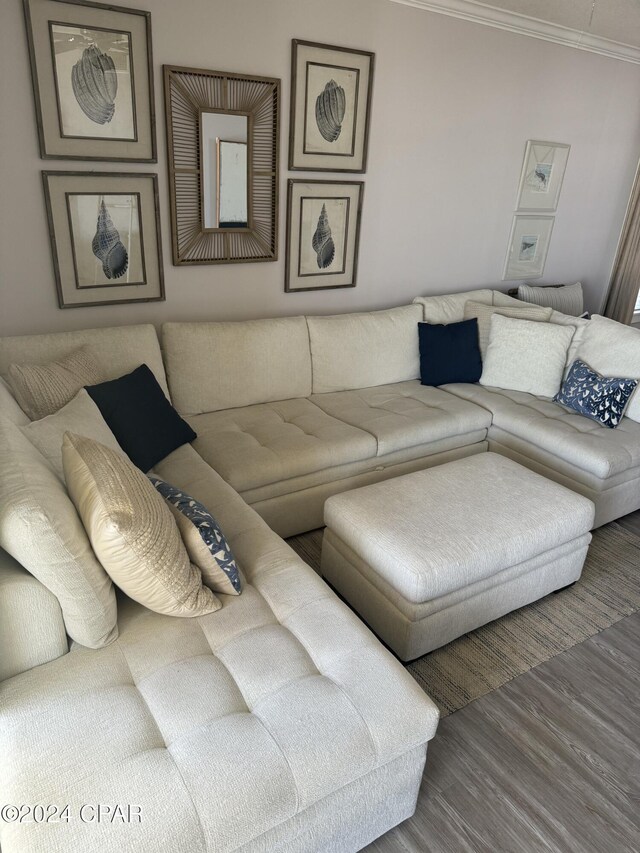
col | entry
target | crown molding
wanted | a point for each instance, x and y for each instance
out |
(491, 16)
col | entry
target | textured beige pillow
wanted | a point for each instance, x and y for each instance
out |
(39, 527)
(484, 313)
(42, 389)
(80, 415)
(526, 356)
(132, 530)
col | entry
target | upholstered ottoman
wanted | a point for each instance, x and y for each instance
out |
(429, 556)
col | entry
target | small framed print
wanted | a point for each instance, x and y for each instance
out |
(92, 80)
(528, 247)
(542, 174)
(105, 237)
(330, 107)
(323, 229)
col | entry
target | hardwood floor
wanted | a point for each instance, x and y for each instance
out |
(549, 762)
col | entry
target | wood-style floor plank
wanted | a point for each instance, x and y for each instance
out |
(550, 762)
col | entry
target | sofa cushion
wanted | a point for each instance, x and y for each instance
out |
(258, 445)
(449, 308)
(449, 353)
(144, 422)
(603, 398)
(219, 727)
(613, 349)
(9, 405)
(43, 389)
(216, 366)
(118, 349)
(132, 530)
(361, 350)
(484, 313)
(526, 356)
(565, 435)
(205, 542)
(80, 415)
(405, 414)
(40, 528)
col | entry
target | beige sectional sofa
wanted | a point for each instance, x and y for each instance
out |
(278, 723)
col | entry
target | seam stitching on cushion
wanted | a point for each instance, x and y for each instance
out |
(284, 758)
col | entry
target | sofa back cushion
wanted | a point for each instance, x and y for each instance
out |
(118, 349)
(214, 366)
(613, 349)
(363, 350)
(484, 313)
(39, 527)
(450, 307)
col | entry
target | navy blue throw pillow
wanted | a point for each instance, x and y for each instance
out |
(449, 353)
(602, 398)
(144, 422)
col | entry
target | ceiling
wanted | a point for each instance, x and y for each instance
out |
(610, 27)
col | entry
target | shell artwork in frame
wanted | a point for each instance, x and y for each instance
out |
(330, 107)
(323, 228)
(92, 74)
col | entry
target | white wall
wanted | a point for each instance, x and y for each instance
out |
(453, 105)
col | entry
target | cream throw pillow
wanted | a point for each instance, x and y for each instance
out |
(42, 389)
(526, 356)
(484, 313)
(132, 530)
(39, 527)
(80, 415)
(613, 350)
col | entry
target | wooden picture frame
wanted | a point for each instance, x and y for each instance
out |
(104, 229)
(330, 107)
(192, 94)
(92, 75)
(528, 246)
(323, 234)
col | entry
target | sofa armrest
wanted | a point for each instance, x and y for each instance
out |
(31, 626)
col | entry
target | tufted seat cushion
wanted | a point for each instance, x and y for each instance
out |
(269, 442)
(220, 728)
(405, 414)
(587, 446)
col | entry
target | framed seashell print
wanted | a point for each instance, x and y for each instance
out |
(330, 106)
(92, 80)
(323, 231)
(105, 237)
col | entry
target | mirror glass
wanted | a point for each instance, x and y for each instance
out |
(225, 176)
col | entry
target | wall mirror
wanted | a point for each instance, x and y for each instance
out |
(223, 142)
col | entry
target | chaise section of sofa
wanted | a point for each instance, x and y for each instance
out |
(323, 404)
(599, 463)
(277, 723)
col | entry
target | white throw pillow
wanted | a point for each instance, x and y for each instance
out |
(132, 530)
(82, 416)
(39, 527)
(484, 313)
(613, 349)
(526, 356)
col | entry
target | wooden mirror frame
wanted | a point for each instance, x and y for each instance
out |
(188, 93)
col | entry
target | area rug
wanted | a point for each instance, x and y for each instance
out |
(483, 660)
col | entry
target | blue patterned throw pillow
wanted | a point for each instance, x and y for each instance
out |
(203, 539)
(602, 398)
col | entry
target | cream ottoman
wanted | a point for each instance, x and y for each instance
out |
(429, 556)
